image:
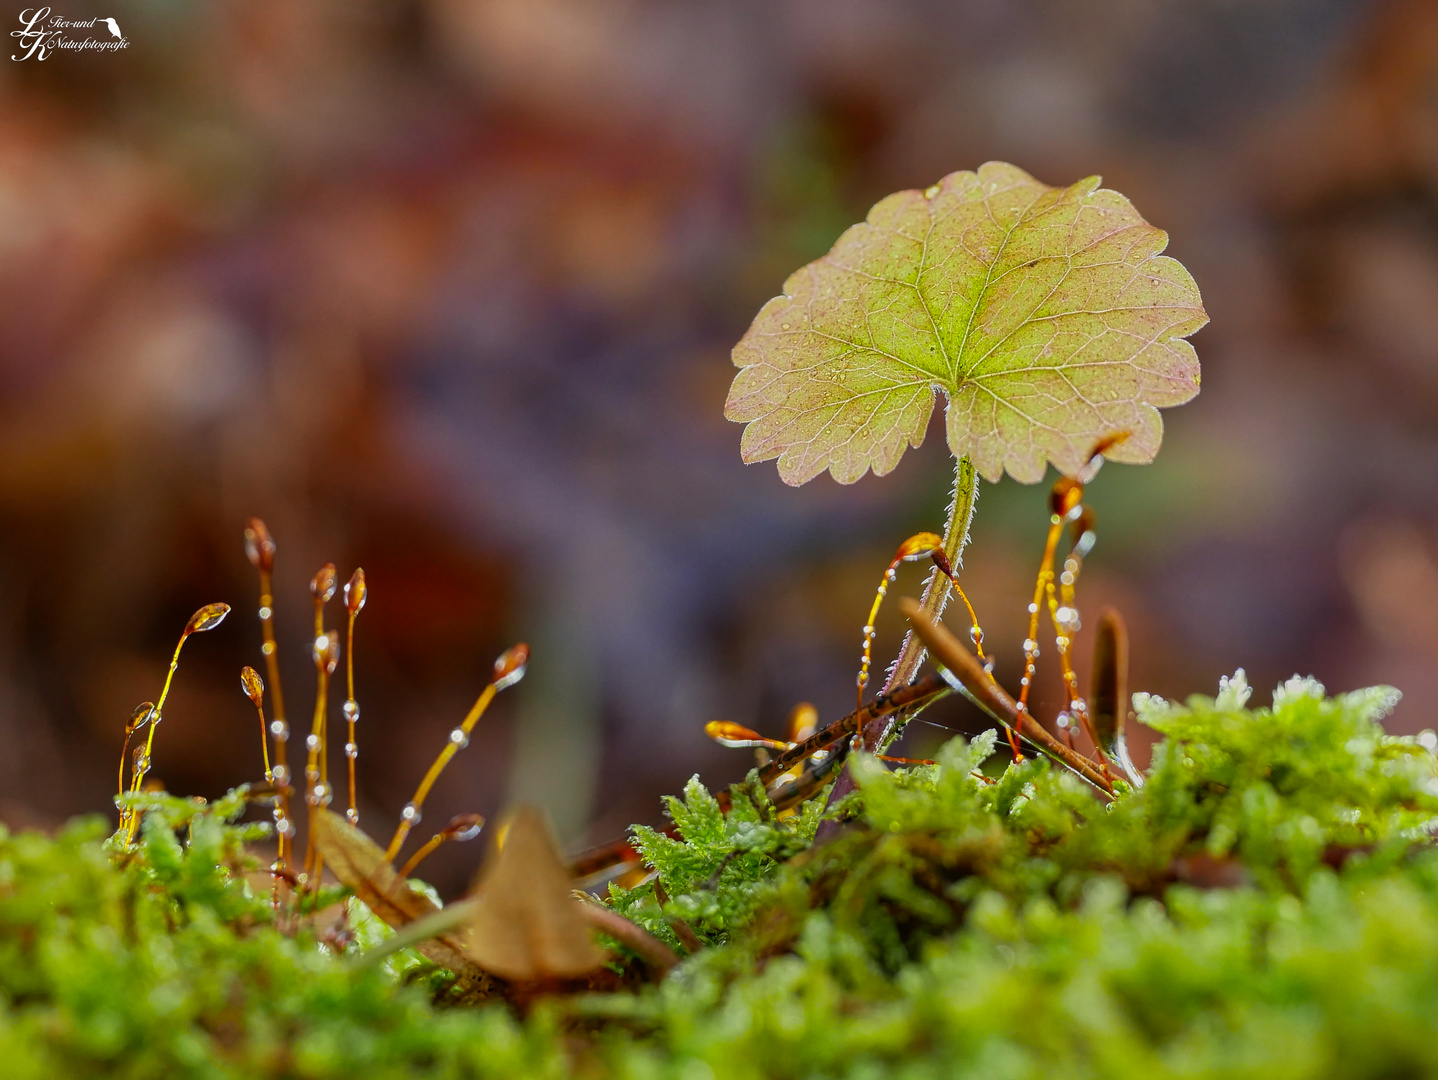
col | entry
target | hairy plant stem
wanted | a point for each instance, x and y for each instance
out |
(882, 730)
(937, 589)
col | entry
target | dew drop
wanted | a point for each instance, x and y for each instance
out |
(1031, 647)
(280, 730)
(265, 613)
(356, 591)
(411, 813)
(322, 585)
(268, 648)
(312, 742)
(463, 827)
(930, 192)
(259, 547)
(252, 685)
(351, 751)
(280, 774)
(351, 710)
(207, 618)
(352, 816)
(510, 666)
(1033, 609)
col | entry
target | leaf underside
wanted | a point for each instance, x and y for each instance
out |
(1047, 316)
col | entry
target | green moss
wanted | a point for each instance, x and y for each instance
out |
(1267, 904)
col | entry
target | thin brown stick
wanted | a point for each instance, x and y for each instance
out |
(950, 652)
(928, 689)
(659, 956)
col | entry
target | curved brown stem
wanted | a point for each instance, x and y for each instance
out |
(992, 697)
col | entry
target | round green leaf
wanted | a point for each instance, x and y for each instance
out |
(1045, 315)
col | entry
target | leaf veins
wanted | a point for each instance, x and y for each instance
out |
(1047, 317)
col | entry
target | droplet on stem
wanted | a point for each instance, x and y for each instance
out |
(509, 668)
(322, 585)
(464, 827)
(327, 651)
(355, 591)
(920, 545)
(727, 733)
(207, 618)
(143, 714)
(259, 547)
(1066, 495)
(252, 684)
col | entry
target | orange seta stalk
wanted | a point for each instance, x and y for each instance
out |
(207, 618)
(918, 546)
(260, 550)
(356, 592)
(508, 670)
(460, 829)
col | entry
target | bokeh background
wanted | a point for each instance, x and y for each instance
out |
(446, 288)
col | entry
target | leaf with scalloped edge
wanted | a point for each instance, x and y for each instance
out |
(1047, 317)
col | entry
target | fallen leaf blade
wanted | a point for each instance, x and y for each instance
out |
(526, 923)
(358, 863)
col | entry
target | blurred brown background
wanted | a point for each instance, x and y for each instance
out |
(446, 288)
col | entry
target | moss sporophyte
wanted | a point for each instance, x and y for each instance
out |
(1261, 900)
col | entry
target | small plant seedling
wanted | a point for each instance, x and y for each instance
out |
(1047, 317)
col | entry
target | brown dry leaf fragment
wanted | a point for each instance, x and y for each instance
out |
(526, 923)
(359, 863)
(1045, 315)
